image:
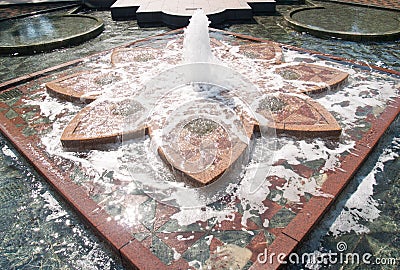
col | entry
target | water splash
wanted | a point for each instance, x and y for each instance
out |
(196, 45)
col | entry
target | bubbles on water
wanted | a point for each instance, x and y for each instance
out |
(201, 121)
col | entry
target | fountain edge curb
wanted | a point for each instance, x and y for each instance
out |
(50, 45)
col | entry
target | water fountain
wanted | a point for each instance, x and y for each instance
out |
(351, 23)
(175, 161)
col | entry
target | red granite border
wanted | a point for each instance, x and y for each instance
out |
(132, 252)
(34, 75)
(343, 60)
(275, 254)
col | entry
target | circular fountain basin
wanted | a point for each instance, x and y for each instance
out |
(347, 22)
(45, 33)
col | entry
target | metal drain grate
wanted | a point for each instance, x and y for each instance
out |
(14, 93)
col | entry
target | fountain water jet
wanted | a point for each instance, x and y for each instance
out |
(204, 120)
(196, 45)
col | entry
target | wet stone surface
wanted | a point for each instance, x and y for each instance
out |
(237, 222)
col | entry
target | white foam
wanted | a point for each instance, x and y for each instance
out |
(361, 206)
(8, 152)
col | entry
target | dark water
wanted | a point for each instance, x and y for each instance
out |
(42, 29)
(38, 230)
(353, 19)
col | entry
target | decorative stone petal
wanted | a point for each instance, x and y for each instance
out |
(270, 52)
(299, 115)
(83, 86)
(199, 150)
(261, 54)
(102, 122)
(314, 78)
(140, 55)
